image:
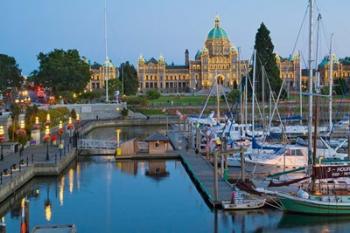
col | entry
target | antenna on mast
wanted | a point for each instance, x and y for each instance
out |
(105, 30)
(107, 62)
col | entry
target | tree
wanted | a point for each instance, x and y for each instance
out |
(73, 114)
(10, 74)
(340, 86)
(266, 58)
(113, 86)
(62, 71)
(15, 112)
(128, 77)
(233, 96)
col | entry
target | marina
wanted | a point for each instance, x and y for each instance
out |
(252, 137)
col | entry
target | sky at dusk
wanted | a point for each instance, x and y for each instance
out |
(154, 27)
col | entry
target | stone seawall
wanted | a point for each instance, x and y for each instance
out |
(89, 126)
(37, 169)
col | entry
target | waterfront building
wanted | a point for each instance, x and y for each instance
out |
(289, 70)
(99, 73)
(218, 57)
(341, 69)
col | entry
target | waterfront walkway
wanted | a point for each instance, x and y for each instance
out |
(16, 170)
(201, 171)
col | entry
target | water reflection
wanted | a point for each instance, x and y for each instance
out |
(47, 205)
(124, 197)
(61, 190)
(157, 169)
(128, 167)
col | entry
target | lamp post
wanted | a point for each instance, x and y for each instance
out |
(48, 119)
(60, 133)
(22, 136)
(2, 138)
(47, 140)
(70, 127)
(37, 123)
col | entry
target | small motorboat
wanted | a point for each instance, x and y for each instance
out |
(244, 204)
(242, 201)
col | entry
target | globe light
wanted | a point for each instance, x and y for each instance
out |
(2, 131)
(47, 130)
(22, 124)
(37, 120)
(60, 125)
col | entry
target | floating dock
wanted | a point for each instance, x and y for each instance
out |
(201, 172)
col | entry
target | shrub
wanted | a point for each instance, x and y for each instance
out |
(153, 94)
(124, 112)
(136, 100)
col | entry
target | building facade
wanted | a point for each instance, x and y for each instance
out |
(99, 73)
(217, 60)
(290, 70)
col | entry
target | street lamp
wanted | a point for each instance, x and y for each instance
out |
(70, 127)
(47, 140)
(21, 135)
(60, 133)
(37, 123)
(2, 138)
(48, 119)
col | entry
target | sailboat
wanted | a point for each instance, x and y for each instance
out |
(317, 197)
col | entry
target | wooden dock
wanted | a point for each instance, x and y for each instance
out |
(202, 173)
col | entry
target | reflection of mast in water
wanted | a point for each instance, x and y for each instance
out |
(2, 225)
(216, 225)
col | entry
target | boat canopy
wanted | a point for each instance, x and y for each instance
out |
(256, 145)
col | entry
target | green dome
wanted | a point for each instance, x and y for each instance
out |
(217, 32)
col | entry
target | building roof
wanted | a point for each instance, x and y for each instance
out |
(217, 32)
(170, 67)
(152, 60)
(157, 137)
(198, 55)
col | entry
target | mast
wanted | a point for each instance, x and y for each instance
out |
(263, 93)
(300, 90)
(310, 156)
(106, 53)
(331, 86)
(253, 95)
(217, 97)
(246, 100)
(240, 87)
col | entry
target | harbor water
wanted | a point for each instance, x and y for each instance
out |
(98, 194)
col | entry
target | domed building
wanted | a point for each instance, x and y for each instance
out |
(219, 57)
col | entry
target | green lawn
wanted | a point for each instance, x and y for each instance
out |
(148, 112)
(182, 100)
